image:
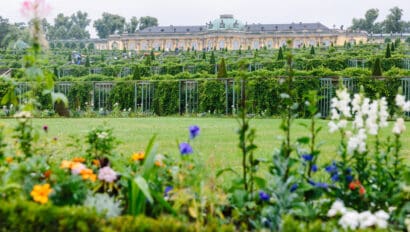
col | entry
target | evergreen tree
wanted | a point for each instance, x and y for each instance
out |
(222, 69)
(203, 55)
(304, 47)
(388, 54)
(312, 50)
(397, 42)
(152, 55)
(280, 54)
(377, 68)
(87, 62)
(102, 57)
(148, 60)
(55, 72)
(240, 51)
(212, 59)
(392, 47)
(136, 75)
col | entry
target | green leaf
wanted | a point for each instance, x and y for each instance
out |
(143, 186)
(222, 171)
(303, 140)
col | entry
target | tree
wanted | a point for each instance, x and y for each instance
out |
(203, 55)
(212, 59)
(393, 22)
(312, 50)
(392, 47)
(152, 55)
(367, 23)
(132, 25)
(377, 68)
(222, 69)
(136, 75)
(68, 27)
(87, 62)
(148, 21)
(280, 54)
(109, 24)
(388, 54)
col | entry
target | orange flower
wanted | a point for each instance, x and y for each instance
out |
(362, 190)
(47, 174)
(96, 163)
(9, 159)
(78, 160)
(138, 156)
(354, 184)
(87, 174)
(159, 163)
(66, 164)
(40, 193)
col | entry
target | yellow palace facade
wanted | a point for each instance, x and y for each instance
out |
(229, 33)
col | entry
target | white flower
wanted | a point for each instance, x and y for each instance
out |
(399, 126)
(349, 220)
(342, 123)
(23, 114)
(102, 135)
(332, 126)
(400, 101)
(357, 142)
(337, 207)
(367, 219)
(107, 174)
(381, 219)
(77, 168)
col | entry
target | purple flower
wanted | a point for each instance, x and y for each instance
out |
(293, 187)
(264, 196)
(185, 149)
(311, 182)
(314, 168)
(307, 157)
(193, 131)
(45, 128)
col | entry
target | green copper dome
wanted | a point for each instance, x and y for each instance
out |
(225, 22)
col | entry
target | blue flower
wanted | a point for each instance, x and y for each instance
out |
(185, 148)
(348, 170)
(293, 187)
(331, 169)
(311, 182)
(314, 168)
(167, 190)
(349, 178)
(318, 184)
(193, 131)
(321, 185)
(335, 177)
(263, 196)
(307, 157)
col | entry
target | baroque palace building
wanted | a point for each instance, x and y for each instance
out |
(229, 33)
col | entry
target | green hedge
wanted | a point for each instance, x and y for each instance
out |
(29, 216)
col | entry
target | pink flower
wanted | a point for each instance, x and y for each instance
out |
(107, 174)
(35, 9)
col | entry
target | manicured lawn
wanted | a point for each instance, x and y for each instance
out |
(217, 143)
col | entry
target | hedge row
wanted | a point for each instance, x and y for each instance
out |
(216, 96)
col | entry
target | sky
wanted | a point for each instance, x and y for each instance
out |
(198, 12)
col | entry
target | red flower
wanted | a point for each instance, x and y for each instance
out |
(356, 184)
(362, 190)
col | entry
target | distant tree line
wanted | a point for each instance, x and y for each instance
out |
(393, 22)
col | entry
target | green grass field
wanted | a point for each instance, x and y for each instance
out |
(217, 142)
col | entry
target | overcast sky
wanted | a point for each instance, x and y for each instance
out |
(197, 12)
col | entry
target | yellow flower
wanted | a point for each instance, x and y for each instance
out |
(88, 174)
(9, 159)
(78, 160)
(66, 164)
(96, 163)
(40, 193)
(138, 156)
